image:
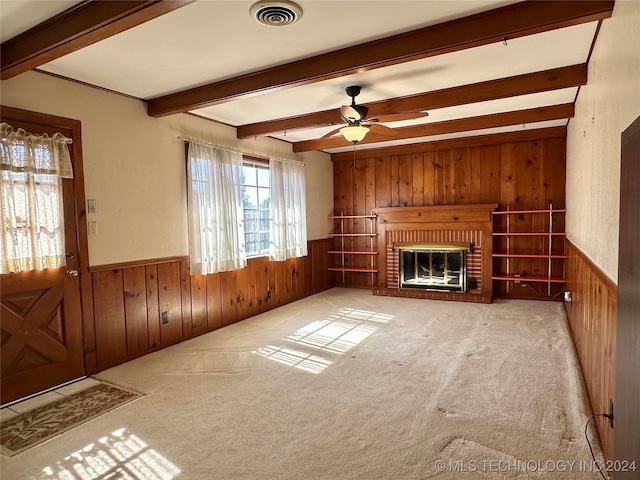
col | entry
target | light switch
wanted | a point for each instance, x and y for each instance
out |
(92, 205)
(93, 228)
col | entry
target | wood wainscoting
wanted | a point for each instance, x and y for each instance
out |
(140, 307)
(592, 315)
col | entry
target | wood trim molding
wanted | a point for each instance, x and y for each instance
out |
(75, 28)
(436, 213)
(548, 80)
(137, 263)
(511, 21)
(504, 119)
(464, 142)
(156, 261)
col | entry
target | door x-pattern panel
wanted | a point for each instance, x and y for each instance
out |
(32, 330)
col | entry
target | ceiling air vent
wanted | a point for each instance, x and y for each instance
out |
(276, 14)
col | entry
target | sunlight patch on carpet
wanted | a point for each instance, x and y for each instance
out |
(121, 455)
(47, 421)
(336, 334)
(331, 336)
(294, 358)
(364, 315)
(340, 332)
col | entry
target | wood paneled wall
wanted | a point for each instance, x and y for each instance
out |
(521, 174)
(129, 301)
(592, 315)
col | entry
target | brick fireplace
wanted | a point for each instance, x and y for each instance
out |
(443, 227)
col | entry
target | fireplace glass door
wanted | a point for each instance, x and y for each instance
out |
(433, 269)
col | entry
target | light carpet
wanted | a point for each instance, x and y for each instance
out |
(345, 385)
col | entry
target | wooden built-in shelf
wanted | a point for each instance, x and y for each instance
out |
(529, 279)
(521, 212)
(525, 255)
(527, 234)
(344, 231)
(540, 250)
(353, 269)
(349, 252)
(353, 234)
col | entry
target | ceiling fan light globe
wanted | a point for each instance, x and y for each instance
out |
(354, 133)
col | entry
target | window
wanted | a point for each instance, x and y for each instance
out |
(256, 202)
(240, 209)
(31, 193)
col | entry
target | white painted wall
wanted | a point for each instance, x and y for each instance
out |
(605, 107)
(135, 167)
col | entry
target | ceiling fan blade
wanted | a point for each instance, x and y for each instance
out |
(382, 130)
(332, 132)
(397, 117)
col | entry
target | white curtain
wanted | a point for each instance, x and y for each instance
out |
(216, 228)
(31, 191)
(288, 227)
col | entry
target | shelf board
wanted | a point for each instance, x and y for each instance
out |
(526, 255)
(353, 269)
(517, 212)
(527, 234)
(352, 252)
(352, 216)
(353, 234)
(511, 278)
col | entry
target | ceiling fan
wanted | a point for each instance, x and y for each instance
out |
(357, 124)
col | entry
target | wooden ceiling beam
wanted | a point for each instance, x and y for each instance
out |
(465, 142)
(540, 114)
(511, 21)
(557, 78)
(77, 27)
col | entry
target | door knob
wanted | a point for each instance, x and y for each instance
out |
(72, 273)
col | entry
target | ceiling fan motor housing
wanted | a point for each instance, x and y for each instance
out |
(353, 91)
(353, 112)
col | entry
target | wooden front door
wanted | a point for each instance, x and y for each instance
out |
(41, 316)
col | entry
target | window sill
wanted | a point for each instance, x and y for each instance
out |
(259, 255)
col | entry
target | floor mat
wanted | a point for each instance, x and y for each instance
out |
(42, 423)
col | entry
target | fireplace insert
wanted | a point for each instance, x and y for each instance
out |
(433, 266)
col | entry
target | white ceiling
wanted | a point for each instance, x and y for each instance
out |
(211, 40)
(17, 16)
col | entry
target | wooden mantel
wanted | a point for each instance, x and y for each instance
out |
(475, 217)
(443, 214)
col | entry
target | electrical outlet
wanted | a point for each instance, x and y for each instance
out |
(92, 205)
(165, 318)
(610, 416)
(93, 228)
